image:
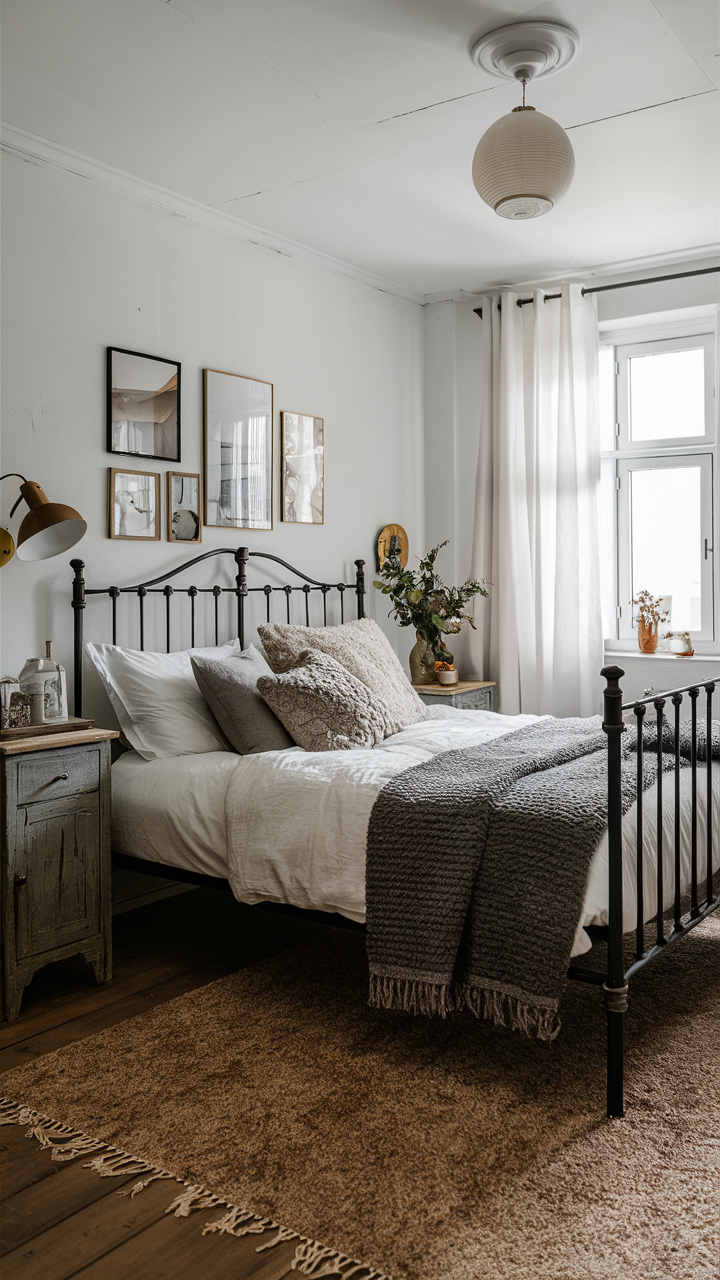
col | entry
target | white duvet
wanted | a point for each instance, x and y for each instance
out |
(290, 826)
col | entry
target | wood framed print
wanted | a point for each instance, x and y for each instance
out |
(303, 468)
(135, 505)
(238, 451)
(183, 507)
(143, 405)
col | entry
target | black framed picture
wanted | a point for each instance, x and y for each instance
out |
(143, 405)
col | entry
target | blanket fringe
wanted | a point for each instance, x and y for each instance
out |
(311, 1258)
(509, 1011)
(415, 995)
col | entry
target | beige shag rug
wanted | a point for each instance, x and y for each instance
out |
(429, 1150)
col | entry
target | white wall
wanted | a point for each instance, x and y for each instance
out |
(85, 268)
(453, 386)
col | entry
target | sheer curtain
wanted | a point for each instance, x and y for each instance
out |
(536, 515)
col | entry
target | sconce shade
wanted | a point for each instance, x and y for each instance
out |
(49, 528)
(523, 165)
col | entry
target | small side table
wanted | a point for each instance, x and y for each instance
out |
(469, 695)
(55, 865)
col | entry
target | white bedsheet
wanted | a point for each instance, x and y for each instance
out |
(290, 826)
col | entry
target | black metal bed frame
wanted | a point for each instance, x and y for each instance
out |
(614, 979)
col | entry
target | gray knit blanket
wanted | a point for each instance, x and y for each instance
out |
(477, 862)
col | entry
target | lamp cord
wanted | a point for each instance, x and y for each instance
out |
(523, 82)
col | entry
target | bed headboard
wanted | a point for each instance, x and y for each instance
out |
(160, 586)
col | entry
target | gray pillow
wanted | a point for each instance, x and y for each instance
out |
(229, 686)
(362, 648)
(323, 706)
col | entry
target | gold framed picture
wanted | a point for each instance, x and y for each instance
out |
(134, 505)
(184, 522)
(303, 468)
(238, 451)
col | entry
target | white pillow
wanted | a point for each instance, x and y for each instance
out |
(155, 697)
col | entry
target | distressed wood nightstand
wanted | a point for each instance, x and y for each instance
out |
(55, 856)
(469, 695)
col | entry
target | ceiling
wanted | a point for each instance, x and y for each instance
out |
(349, 126)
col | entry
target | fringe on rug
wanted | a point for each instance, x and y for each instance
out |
(414, 995)
(311, 1258)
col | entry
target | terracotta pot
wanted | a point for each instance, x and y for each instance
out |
(422, 662)
(647, 636)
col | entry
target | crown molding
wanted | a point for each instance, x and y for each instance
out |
(707, 254)
(43, 150)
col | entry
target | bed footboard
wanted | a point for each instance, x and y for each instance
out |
(702, 902)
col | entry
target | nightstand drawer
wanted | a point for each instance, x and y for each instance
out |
(49, 777)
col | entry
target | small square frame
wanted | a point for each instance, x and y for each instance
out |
(113, 473)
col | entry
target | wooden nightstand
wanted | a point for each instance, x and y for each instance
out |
(469, 695)
(55, 868)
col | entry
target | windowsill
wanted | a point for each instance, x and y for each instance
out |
(675, 657)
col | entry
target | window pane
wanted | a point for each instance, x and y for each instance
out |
(667, 395)
(607, 398)
(666, 541)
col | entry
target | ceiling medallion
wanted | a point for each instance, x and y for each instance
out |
(524, 163)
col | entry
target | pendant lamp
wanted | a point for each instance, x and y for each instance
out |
(524, 163)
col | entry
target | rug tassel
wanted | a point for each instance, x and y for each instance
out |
(239, 1222)
(283, 1234)
(143, 1183)
(190, 1200)
(315, 1260)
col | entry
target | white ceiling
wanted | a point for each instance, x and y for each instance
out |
(349, 126)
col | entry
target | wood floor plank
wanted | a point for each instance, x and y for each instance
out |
(175, 1249)
(36, 1208)
(75, 1242)
(24, 1161)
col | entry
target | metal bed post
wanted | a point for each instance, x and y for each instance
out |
(241, 558)
(360, 587)
(78, 604)
(615, 987)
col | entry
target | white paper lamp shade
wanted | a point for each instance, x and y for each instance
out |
(523, 165)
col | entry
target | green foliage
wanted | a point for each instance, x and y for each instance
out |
(421, 600)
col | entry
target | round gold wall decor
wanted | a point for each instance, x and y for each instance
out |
(383, 544)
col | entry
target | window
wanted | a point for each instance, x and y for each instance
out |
(659, 465)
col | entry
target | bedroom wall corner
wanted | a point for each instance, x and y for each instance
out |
(86, 267)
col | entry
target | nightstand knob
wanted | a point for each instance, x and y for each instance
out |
(62, 777)
(20, 881)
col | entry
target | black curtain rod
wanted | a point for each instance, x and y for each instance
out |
(626, 284)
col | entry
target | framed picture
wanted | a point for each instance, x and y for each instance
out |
(135, 505)
(303, 468)
(143, 405)
(183, 507)
(238, 451)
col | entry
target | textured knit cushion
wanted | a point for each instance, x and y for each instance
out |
(228, 683)
(363, 650)
(323, 706)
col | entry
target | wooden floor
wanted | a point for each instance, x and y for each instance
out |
(60, 1220)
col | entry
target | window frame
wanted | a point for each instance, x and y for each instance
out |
(627, 351)
(618, 462)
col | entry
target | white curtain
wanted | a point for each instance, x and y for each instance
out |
(536, 516)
